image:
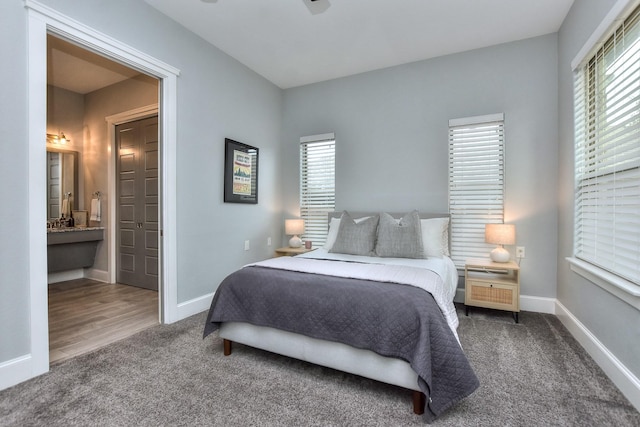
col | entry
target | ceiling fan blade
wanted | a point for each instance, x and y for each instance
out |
(317, 6)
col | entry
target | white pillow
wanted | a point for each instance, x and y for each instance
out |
(435, 237)
(334, 226)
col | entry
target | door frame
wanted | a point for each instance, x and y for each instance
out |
(42, 20)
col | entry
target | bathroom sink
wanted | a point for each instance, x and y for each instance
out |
(74, 235)
(72, 248)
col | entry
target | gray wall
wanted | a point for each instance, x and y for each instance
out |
(613, 322)
(14, 248)
(217, 97)
(391, 131)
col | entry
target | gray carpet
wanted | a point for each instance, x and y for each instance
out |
(531, 374)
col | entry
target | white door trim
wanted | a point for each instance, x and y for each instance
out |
(41, 20)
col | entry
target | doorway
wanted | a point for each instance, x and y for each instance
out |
(43, 21)
(83, 89)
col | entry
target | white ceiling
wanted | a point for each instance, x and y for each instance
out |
(78, 70)
(297, 42)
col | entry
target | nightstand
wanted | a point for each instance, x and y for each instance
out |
(287, 251)
(494, 285)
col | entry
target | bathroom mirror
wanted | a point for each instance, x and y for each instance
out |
(62, 179)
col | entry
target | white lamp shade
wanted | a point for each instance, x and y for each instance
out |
(293, 226)
(500, 234)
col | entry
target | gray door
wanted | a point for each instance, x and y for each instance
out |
(53, 185)
(137, 209)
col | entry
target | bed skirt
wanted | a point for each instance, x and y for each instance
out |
(330, 354)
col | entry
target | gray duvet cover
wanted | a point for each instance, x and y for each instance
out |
(390, 319)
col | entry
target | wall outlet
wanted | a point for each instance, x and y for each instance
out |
(519, 251)
(268, 241)
(247, 245)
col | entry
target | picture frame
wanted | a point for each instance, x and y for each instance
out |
(79, 218)
(240, 172)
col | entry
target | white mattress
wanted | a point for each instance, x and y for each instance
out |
(444, 267)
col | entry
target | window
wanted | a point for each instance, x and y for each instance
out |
(476, 183)
(317, 185)
(607, 154)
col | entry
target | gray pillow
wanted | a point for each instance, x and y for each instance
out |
(356, 238)
(400, 239)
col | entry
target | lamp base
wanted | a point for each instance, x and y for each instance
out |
(500, 254)
(295, 242)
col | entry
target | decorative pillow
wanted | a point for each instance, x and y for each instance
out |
(356, 238)
(435, 237)
(400, 239)
(334, 226)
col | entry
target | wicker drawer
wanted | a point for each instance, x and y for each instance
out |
(492, 295)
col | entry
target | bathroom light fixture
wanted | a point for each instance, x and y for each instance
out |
(57, 139)
(500, 234)
(294, 227)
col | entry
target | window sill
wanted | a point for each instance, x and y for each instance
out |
(621, 288)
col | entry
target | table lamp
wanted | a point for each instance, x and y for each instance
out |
(500, 234)
(294, 227)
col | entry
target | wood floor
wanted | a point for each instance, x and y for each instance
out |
(85, 315)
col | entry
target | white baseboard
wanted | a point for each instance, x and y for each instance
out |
(95, 274)
(622, 377)
(194, 306)
(63, 276)
(538, 304)
(527, 303)
(15, 371)
(78, 273)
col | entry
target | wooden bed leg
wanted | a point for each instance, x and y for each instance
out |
(419, 400)
(227, 347)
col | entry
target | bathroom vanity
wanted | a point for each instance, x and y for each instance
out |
(70, 248)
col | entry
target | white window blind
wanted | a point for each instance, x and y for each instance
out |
(607, 154)
(476, 183)
(317, 185)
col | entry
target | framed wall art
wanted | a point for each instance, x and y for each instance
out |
(80, 218)
(240, 172)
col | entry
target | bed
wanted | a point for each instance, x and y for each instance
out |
(376, 301)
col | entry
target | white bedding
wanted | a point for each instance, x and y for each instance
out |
(438, 276)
